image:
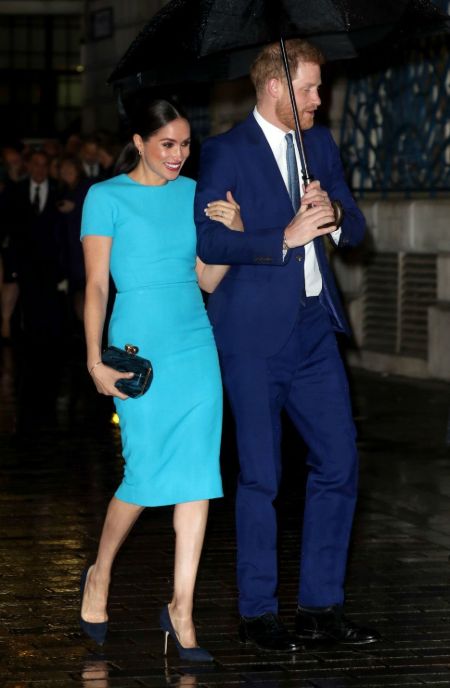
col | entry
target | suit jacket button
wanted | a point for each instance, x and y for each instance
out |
(299, 258)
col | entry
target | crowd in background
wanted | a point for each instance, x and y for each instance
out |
(42, 189)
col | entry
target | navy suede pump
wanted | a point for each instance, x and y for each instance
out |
(95, 631)
(192, 654)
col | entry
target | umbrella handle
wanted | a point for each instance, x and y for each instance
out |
(339, 214)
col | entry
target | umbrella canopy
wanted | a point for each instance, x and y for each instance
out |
(201, 40)
(218, 39)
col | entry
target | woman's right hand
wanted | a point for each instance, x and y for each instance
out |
(105, 379)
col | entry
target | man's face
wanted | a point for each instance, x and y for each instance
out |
(38, 168)
(12, 159)
(89, 152)
(306, 82)
(73, 144)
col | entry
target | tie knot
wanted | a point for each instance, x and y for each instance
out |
(289, 139)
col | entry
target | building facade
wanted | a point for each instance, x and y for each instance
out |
(40, 67)
(109, 28)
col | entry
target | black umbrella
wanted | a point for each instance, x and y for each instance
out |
(202, 40)
(172, 46)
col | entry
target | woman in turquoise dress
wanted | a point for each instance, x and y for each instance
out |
(139, 225)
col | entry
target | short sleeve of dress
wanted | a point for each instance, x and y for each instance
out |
(98, 212)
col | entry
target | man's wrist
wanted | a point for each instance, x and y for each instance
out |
(286, 246)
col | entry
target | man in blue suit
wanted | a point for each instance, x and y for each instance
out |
(274, 317)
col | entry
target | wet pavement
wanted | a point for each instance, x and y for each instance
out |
(56, 481)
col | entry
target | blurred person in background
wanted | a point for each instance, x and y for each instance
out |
(73, 145)
(52, 147)
(37, 252)
(89, 157)
(108, 151)
(54, 150)
(73, 189)
(13, 169)
(53, 169)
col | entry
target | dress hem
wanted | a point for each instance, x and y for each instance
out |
(170, 503)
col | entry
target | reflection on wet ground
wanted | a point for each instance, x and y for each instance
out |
(57, 478)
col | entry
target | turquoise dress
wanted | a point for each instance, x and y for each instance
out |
(170, 435)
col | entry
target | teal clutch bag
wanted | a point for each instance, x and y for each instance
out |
(126, 361)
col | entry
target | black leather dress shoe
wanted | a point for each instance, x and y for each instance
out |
(330, 623)
(267, 633)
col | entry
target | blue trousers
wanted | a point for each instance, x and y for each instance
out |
(307, 378)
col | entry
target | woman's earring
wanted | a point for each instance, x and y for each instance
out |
(139, 151)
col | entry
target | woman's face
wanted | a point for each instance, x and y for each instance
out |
(68, 173)
(164, 154)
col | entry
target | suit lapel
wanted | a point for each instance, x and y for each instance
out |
(315, 155)
(267, 163)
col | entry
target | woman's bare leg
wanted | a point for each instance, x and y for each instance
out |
(189, 522)
(119, 520)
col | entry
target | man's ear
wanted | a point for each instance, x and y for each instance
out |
(273, 87)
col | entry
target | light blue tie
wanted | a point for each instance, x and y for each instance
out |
(293, 179)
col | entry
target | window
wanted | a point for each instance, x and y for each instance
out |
(40, 87)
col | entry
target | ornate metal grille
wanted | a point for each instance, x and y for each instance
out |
(396, 125)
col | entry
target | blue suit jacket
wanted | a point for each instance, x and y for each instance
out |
(255, 306)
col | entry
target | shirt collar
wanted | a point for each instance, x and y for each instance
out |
(273, 134)
(42, 185)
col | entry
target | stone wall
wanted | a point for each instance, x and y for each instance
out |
(403, 230)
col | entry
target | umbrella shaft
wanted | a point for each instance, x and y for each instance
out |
(298, 133)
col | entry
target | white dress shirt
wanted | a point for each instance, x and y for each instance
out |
(91, 170)
(276, 138)
(43, 193)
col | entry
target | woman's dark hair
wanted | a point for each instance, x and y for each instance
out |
(145, 120)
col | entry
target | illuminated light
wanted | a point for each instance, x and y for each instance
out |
(80, 68)
(115, 419)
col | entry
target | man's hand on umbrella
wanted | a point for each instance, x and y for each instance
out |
(309, 221)
(314, 195)
(228, 212)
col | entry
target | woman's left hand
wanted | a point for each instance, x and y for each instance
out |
(227, 212)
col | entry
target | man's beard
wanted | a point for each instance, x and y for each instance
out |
(285, 115)
(283, 111)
